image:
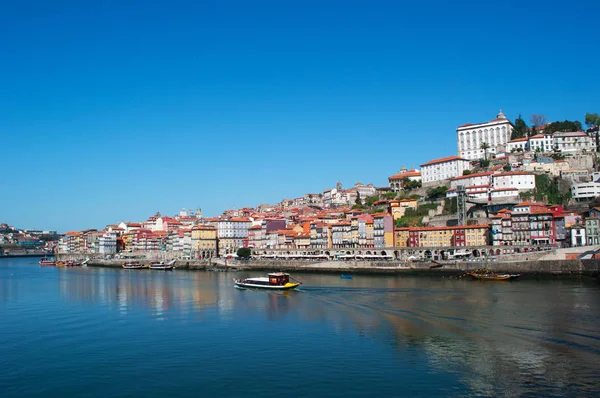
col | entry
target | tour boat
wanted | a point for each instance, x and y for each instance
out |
(46, 262)
(134, 266)
(277, 280)
(163, 266)
(493, 277)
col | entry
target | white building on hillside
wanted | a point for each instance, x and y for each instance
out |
(541, 143)
(577, 141)
(443, 169)
(518, 144)
(495, 133)
(396, 180)
(472, 179)
(520, 180)
(585, 191)
(492, 186)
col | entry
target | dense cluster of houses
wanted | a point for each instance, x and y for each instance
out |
(330, 219)
(14, 240)
(525, 225)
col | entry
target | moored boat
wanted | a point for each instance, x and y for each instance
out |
(163, 266)
(275, 280)
(133, 266)
(345, 276)
(46, 262)
(493, 276)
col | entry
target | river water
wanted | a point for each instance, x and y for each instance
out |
(98, 332)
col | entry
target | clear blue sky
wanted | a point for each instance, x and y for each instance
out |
(111, 110)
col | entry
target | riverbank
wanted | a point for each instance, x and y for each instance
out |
(24, 255)
(532, 267)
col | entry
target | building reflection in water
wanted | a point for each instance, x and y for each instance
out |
(496, 335)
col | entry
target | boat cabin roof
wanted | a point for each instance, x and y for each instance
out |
(258, 279)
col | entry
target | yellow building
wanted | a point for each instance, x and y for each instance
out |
(401, 237)
(398, 207)
(470, 235)
(476, 235)
(128, 239)
(204, 241)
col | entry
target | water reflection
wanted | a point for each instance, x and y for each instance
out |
(539, 337)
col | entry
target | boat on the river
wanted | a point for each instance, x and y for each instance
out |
(163, 266)
(46, 262)
(345, 276)
(134, 266)
(275, 280)
(485, 276)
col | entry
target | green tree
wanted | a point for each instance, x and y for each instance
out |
(369, 200)
(244, 252)
(485, 146)
(390, 195)
(358, 202)
(592, 119)
(547, 189)
(437, 192)
(466, 172)
(565, 125)
(520, 130)
(507, 167)
(450, 205)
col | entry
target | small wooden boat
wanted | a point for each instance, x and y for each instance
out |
(134, 266)
(345, 276)
(163, 266)
(276, 280)
(493, 276)
(46, 262)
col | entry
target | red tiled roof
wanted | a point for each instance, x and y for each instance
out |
(514, 173)
(442, 160)
(406, 174)
(524, 139)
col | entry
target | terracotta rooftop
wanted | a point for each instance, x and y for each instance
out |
(442, 160)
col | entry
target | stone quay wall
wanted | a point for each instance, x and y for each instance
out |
(528, 267)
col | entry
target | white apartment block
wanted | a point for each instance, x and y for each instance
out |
(541, 143)
(517, 144)
(235, 227)
(107, 243)
(585, 191)
(573, 142)
(495, 133)
(443, 169)
(520, 180)
(472, 179)
(489, 185)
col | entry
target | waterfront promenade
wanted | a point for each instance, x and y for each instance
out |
(556, 267)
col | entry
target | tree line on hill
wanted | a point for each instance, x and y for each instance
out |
(522, 130)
